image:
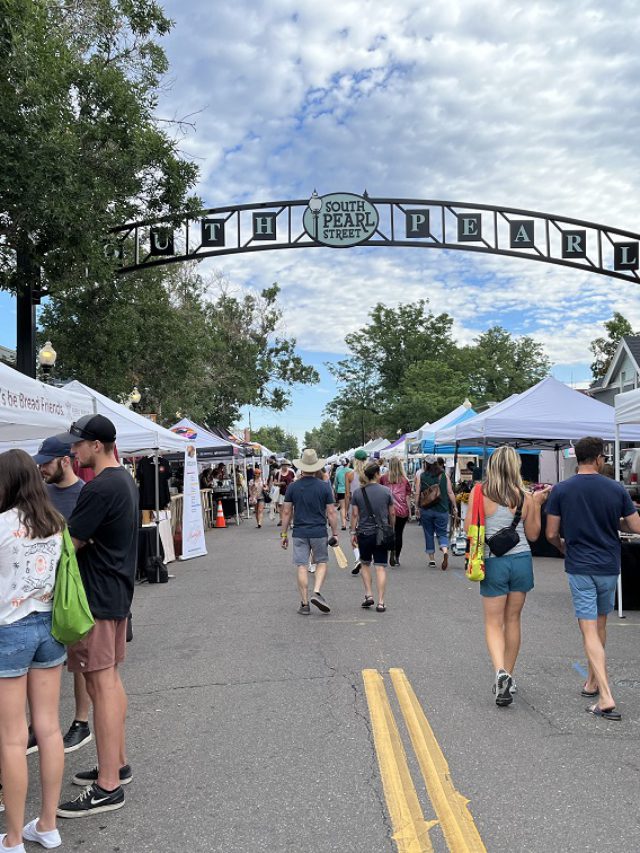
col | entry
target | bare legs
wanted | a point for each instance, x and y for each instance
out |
(502, 628)
(303, 579)
(109, 714)
(43, 689)
(259, 512)
(83, 702)
(594, 637)
(381, 581)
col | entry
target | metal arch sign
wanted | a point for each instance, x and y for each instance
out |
(342, 219)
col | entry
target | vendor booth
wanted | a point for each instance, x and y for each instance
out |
(627, 412)
(214, 451)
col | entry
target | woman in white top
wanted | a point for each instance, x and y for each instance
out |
(508, 578)
(30, 659)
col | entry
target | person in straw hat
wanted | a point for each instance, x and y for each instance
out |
(311, 502)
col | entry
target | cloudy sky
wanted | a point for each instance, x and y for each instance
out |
(524, 104)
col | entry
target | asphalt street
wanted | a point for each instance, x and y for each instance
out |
(249, 728)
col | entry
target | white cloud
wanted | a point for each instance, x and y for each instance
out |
(524, 104)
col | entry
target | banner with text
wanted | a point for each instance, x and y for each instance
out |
(193, 544)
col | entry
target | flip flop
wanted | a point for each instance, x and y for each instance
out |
(380, 608)
(606, 713)
(369, 601)
(588, 694)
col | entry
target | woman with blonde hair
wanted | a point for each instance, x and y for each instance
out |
(400, 487)
(508, 577)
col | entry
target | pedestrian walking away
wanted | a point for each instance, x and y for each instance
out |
(588, 507)
(509, 575)
(30, 658)
(55, 461)
(104, 529)
(310, 500)
(257, 494)
(371, 508)
(283, 480)
(400, 487)
(353, 481)
(340, 488)
(435, 501)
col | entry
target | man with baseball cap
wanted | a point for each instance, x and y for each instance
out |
(63, 487)
(104, 529)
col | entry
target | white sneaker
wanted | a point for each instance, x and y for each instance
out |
(312, 568)
(49, 839)
(19, 848)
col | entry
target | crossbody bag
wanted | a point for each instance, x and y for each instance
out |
(507, 537)
(385, 534)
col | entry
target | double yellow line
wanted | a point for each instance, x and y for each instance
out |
(411, 830)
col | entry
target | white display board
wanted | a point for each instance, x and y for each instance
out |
(193, 544)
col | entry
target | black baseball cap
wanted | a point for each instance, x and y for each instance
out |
(91, 428)
(53, 448)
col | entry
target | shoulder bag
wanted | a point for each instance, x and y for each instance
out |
(71, 618)
(385, 534)
(429, 494)
(507, 537)
(474, 558)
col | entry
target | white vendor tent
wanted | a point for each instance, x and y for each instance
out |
(202, 439)
(31, 411)
(134, 433)
(548, 414)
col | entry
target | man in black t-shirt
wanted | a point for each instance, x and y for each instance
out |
(104, 529)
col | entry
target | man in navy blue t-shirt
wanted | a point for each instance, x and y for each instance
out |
(590, 508)
(312, 502)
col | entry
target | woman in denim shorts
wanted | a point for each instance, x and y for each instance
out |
(508, 578)
(30, 659)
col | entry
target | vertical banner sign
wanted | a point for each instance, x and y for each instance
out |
(193, 544)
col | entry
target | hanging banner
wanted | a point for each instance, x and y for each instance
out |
(193, 544)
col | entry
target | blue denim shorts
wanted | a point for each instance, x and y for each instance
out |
(593, 595)
(507, 574)
(28, 644)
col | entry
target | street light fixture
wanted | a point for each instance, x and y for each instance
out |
(47, 358)
(315, 206)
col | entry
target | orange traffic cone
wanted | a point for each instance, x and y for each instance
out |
(220, 522)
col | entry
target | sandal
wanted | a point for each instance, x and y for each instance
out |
(606, 713)
(445, 562)
(588, 693)
(368, 601)
(380, 608)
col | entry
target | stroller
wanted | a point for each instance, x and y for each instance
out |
(457, 536)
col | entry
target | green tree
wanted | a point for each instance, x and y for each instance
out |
(604, 349)
(82, 148)
(277, 440)
(500, 364)
(323, 438)
(187, 348)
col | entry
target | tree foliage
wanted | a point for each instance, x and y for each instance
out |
(189, 345)
(404, 369)
(82, 149)
(324, 438)
(604, 349)
(277, 440)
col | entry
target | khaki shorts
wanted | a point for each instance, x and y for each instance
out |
(103, 647)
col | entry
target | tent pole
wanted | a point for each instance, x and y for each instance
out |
(246, 486)
(557, 464)
(235, 489)
(455, 461)
(157, 487)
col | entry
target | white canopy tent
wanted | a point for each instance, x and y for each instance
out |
(549, 413)
(31, 411)
(135, 434)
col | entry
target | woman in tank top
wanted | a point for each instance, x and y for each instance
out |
(508, 578)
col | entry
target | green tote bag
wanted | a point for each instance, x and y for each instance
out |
(71, 619)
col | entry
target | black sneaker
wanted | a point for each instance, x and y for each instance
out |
(79, 733)
(356, 569)
(88, 777)
(503, 688)
(93, 800)
(392, 558)
(304, 609)
(320, 603)
(32, 743)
